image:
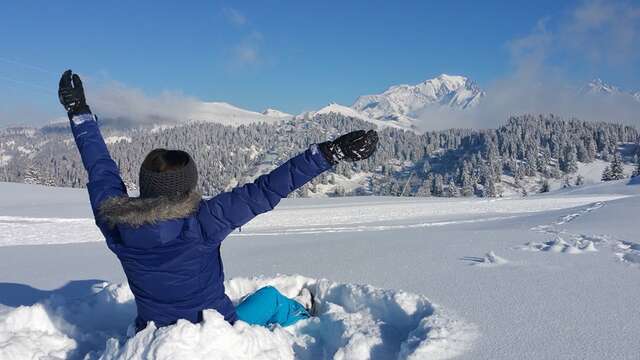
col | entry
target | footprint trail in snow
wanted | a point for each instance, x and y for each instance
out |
(564, 241)
(576, 243)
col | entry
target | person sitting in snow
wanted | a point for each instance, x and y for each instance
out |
(168, 239)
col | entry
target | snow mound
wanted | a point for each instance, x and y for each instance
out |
(560, 245)
(30, 333)
(629, 252)
(61, 328)
(490, 259)
(353, 322)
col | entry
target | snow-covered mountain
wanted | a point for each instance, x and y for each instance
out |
(276, 113)
(399, 105)
(406, 100)
(334, 108)
(597, 87)
(227, 114)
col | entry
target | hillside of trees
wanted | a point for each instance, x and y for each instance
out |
(455, 162)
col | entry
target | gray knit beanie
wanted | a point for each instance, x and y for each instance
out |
(171, 183)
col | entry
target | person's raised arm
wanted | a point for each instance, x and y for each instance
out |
(233, 209)
(104, 176)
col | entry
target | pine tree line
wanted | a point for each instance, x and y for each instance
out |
(454, 162)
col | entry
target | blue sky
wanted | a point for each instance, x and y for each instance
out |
(298, 55)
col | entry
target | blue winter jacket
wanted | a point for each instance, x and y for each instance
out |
(171, 255)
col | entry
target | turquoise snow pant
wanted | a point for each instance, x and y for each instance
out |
(268, 306)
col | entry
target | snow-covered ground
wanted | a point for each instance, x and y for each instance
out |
(591, 173)
(551, 276)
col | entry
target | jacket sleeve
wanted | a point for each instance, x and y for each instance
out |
(230, 210)
(104, 176)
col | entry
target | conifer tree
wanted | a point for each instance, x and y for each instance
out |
(438, 185)
(32, 176)
(568, 162)
(424, 189)
(465, 179)
(617, 168)
(452, 189)
(545, 187)
(606, 174)
(525, 146)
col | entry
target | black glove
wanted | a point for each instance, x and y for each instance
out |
(71, 95)
(354, 146)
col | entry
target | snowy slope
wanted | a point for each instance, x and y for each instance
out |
(338, 109)
(546, 277)
(227, 114)
(591, 173)
(25, 222)
(276, 113)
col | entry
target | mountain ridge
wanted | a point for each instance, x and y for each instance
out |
(599, 87)
(399, 106)
(401, 103)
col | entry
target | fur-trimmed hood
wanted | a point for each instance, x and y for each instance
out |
(135, 211)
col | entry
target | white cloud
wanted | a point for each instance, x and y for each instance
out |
(114, 100)
(597, 32)
(249, 51)
(530, 51)
(234, 16)
(604, 31)
(247, 54)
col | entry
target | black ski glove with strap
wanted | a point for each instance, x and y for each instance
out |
(71, 95)
(354, 146)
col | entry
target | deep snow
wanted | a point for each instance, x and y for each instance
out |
(355, 321)
(550, 276)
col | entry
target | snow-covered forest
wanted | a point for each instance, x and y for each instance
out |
(521, 156)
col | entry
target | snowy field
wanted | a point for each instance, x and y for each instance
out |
(554, 276)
